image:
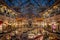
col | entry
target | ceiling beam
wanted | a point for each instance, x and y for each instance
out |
(57, 2)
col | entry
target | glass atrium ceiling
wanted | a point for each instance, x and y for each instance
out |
(29, 6)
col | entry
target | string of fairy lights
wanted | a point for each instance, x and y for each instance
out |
(7, 12)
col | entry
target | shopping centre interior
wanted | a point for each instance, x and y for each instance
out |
(29, 19)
